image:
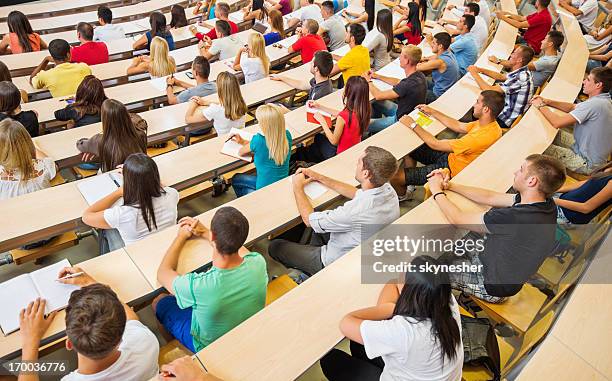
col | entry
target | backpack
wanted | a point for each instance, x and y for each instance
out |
(480, 345)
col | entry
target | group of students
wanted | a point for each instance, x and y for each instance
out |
(198, 308)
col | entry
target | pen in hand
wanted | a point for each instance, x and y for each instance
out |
(70, 276)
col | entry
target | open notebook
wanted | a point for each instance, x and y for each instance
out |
(232, 148)
(18, 292)
(97, 187)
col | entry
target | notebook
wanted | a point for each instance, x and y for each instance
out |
(311, 119)
(97, 187)
(18, 292)
(423, 120)
(232, 148)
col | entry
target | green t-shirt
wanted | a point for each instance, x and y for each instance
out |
(221, 299)
(267, 170)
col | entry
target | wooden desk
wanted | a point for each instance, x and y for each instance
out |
(125, 279)
(54, 8)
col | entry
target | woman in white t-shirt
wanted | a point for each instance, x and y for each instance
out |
(227, 114)
(379, 40)
(255, 64)
(412, 334)
(146, 206)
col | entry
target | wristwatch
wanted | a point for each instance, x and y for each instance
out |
(413, 125)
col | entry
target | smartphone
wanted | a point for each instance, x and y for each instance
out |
(189, 75)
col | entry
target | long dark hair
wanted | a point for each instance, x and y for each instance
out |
(422, 4)
(141, 184)
(356, 99)
(413, 18)
(369, 8)
(5, 73)
(89, 96)
(120, 138)
(18, 23)
(179, 19)
(427, 296)
(384, 24)
(158, 25)
(10, 97)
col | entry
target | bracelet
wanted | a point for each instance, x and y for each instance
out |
(437, 194)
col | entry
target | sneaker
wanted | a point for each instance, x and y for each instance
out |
(409, 195)
(297, 275)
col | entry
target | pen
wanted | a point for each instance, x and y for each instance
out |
(230, 138)
(115, 181)
(70, 276)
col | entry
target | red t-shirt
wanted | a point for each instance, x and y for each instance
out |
(308, 45)
(350, 134)
(412, 37)
(213, 33)
(539, 26)
(91, 53)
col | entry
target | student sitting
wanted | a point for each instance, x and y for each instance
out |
(598, 57)
(463, 46)
(110, 342)
(379, 41)
(224, 46)
(89, 52)
(122, 135)
(443, 66)
(409, 92)
(65, 77)
(227, 114)
(579, 203)
(367, 18)
(374, 204)
(5, 75)
(222, 11)
(87, 104)
(23, 168)
(277, 28)
(107, 31)
(158, 63)
(413, 333)
(320, 84)
(256, 11)
(454, 154)
(537, 25)
(591, 143)
(206, 9)
(520, 228)
(351, 124)
(484, 11)
(546, 64)
(10, 108)
(284, 6)
(201, 70)
(271, 150)
(256, 64)
(480, 30)
(309, 41)
(517, 85)
(357, 61)
(332, 28)
(157, 20)
(178, 19)
(600, 36)
(205, 306)
(308, 11)
(411, 30)
(20, 38)
(585, 12)
(147, 206)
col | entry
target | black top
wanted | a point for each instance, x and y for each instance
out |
(521, 237)
(412, 91)
(27, 118)
(69, 113)
(319, 90)
(582, 194)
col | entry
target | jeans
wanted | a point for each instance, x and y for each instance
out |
(109, 240)
(306, 258)
(384, 114)
(244, 184)
(340, 366)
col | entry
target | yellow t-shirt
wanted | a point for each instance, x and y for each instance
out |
(467, 148)
(63, 79)
(355, 62)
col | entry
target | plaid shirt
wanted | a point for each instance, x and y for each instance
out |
(518, 88)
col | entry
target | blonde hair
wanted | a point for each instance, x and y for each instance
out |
(272, 123)
(230, 97)
(413, 53)
(161, 63)
(17, 150)
(257, 47)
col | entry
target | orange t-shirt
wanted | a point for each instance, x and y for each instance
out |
(16, 47)
(467, 148)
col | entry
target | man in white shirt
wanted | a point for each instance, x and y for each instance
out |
(308, 10)
(333, 26)
(110, 342)
(107, 31)
(339, 230)
(224, 46)
(480, 30)
(585, 12)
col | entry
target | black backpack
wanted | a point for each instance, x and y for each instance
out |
(480, 345)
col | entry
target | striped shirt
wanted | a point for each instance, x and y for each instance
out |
(518, 89)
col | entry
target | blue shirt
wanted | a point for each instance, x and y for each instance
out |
(442, 81)
(465, 50)
(168, 37)
(267, 170)
(271, 38)
(583, 194)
